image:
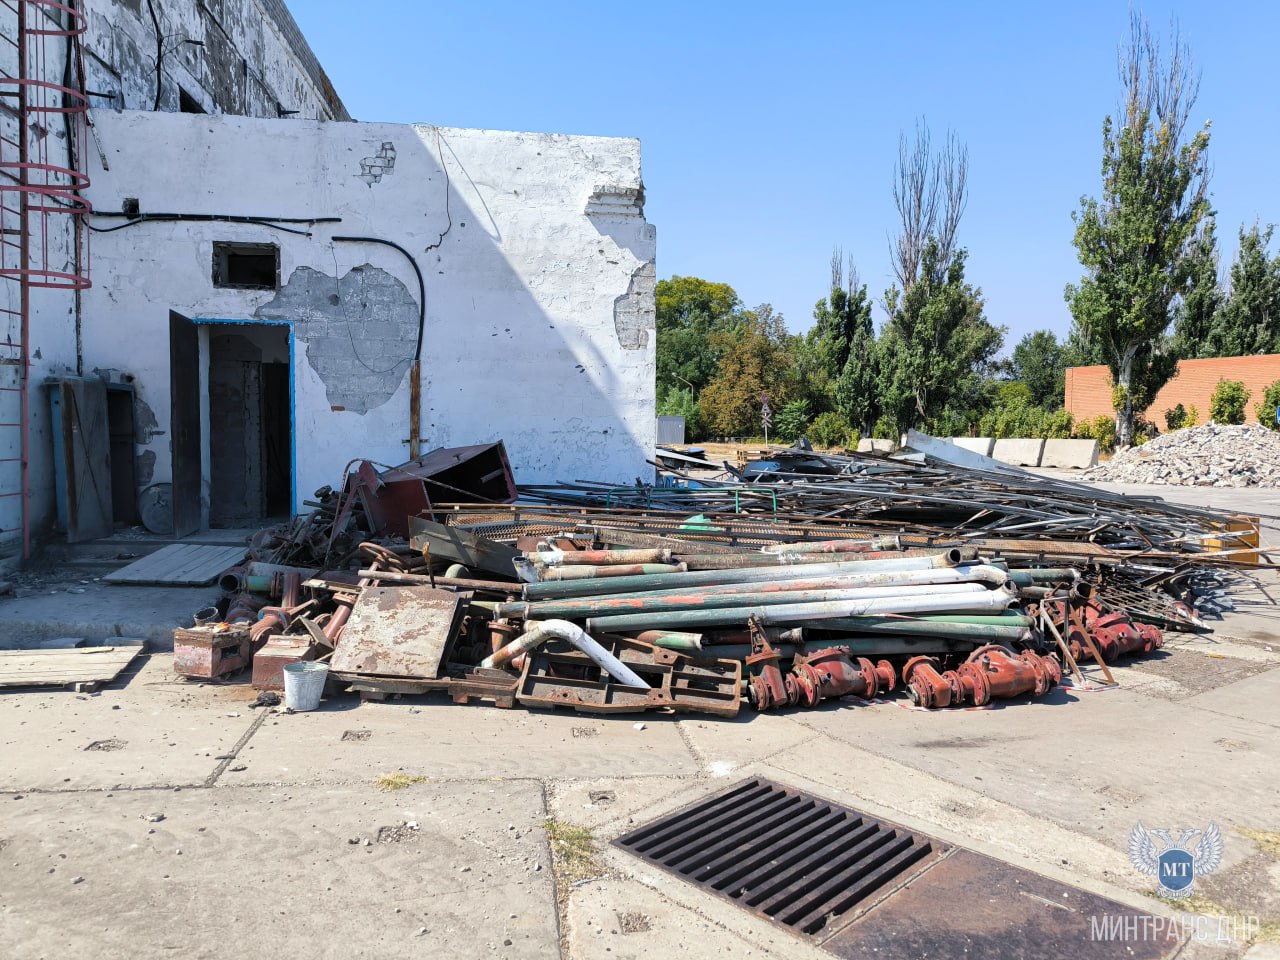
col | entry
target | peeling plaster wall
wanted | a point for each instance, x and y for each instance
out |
(539, 314)
(245, 57)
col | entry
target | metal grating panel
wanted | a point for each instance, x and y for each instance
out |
(783, 854)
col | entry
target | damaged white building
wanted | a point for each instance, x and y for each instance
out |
(213, 306)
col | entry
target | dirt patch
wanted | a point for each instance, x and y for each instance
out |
(586, 732)
(1199, 673)
(108, 745)
(406, 830)
(633, 921)
(357, 735)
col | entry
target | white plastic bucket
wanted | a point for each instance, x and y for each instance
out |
(303, 684)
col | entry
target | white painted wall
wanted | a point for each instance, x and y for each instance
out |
(539, 326)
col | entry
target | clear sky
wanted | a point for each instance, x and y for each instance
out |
(770, 130)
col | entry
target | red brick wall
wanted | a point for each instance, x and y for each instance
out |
(1089, 388)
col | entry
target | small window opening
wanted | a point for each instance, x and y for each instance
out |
(246, 266)
(187, 103)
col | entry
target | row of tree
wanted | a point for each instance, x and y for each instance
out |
(1150, 295)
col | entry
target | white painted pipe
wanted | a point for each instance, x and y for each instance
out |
(571, 633)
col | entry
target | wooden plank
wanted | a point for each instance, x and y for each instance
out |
(180, 564)
(61, 667)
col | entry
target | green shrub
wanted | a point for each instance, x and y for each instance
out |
(1101, 428)
(1175, 418)
(1229, 401)
(830, 430)
(1193, 416)
(885, 429)
(1057, 425)
(792, 419)
(1265, 411)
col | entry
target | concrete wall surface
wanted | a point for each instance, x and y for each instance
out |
(537, 261)
(246, 57)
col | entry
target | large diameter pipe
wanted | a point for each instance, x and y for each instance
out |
(855, 646)
(591, 607)
(706, 578)
(688, 598)
(539, 633)
(924, 601)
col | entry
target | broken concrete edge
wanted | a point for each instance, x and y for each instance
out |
(39, 634)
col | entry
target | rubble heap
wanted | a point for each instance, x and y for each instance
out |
(1210, 456)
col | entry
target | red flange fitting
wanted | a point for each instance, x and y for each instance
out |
(990, 672)
(829, 673)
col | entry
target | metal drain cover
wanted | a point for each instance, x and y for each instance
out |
(861, 887)
(783, 854)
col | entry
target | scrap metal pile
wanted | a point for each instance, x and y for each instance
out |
(960, 585)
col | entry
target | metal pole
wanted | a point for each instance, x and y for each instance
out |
(24, 285)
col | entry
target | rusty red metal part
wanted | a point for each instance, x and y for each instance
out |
(991, 672)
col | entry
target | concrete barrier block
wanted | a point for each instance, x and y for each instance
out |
(869, 445)
(1020, 453)
(1070, 454)
(979, 445)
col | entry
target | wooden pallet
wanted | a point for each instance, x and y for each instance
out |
(180, 565)
(83, 668)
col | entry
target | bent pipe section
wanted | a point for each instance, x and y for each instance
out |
(540, 633)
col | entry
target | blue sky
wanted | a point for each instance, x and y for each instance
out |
(770, 130)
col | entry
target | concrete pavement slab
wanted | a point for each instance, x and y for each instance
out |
(266, 872)
(148, 729)
(437, 738)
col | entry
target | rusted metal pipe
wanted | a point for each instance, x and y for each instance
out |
(706, 578)
(571, 633)
(590, 572)
(553, 557)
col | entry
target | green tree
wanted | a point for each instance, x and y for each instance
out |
(842, 319)
(755, 359)
(1249, 320)
(1137, 243)
(1229, 401)
(1040, 362)
(1195, 315)
(690, 313)
(936, 337)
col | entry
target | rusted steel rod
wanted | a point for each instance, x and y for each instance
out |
(837, 546)
(422, 579)
(592, 572)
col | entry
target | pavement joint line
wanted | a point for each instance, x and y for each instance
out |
(694, 752)
(235, 750)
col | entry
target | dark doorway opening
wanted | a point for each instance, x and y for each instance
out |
(250, 424)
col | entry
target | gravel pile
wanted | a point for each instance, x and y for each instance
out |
(1208, 456)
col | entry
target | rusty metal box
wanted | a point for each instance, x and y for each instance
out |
(211, 650)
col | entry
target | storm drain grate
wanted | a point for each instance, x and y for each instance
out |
(783, 854)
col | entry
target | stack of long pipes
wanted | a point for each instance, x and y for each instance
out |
(856, 594)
